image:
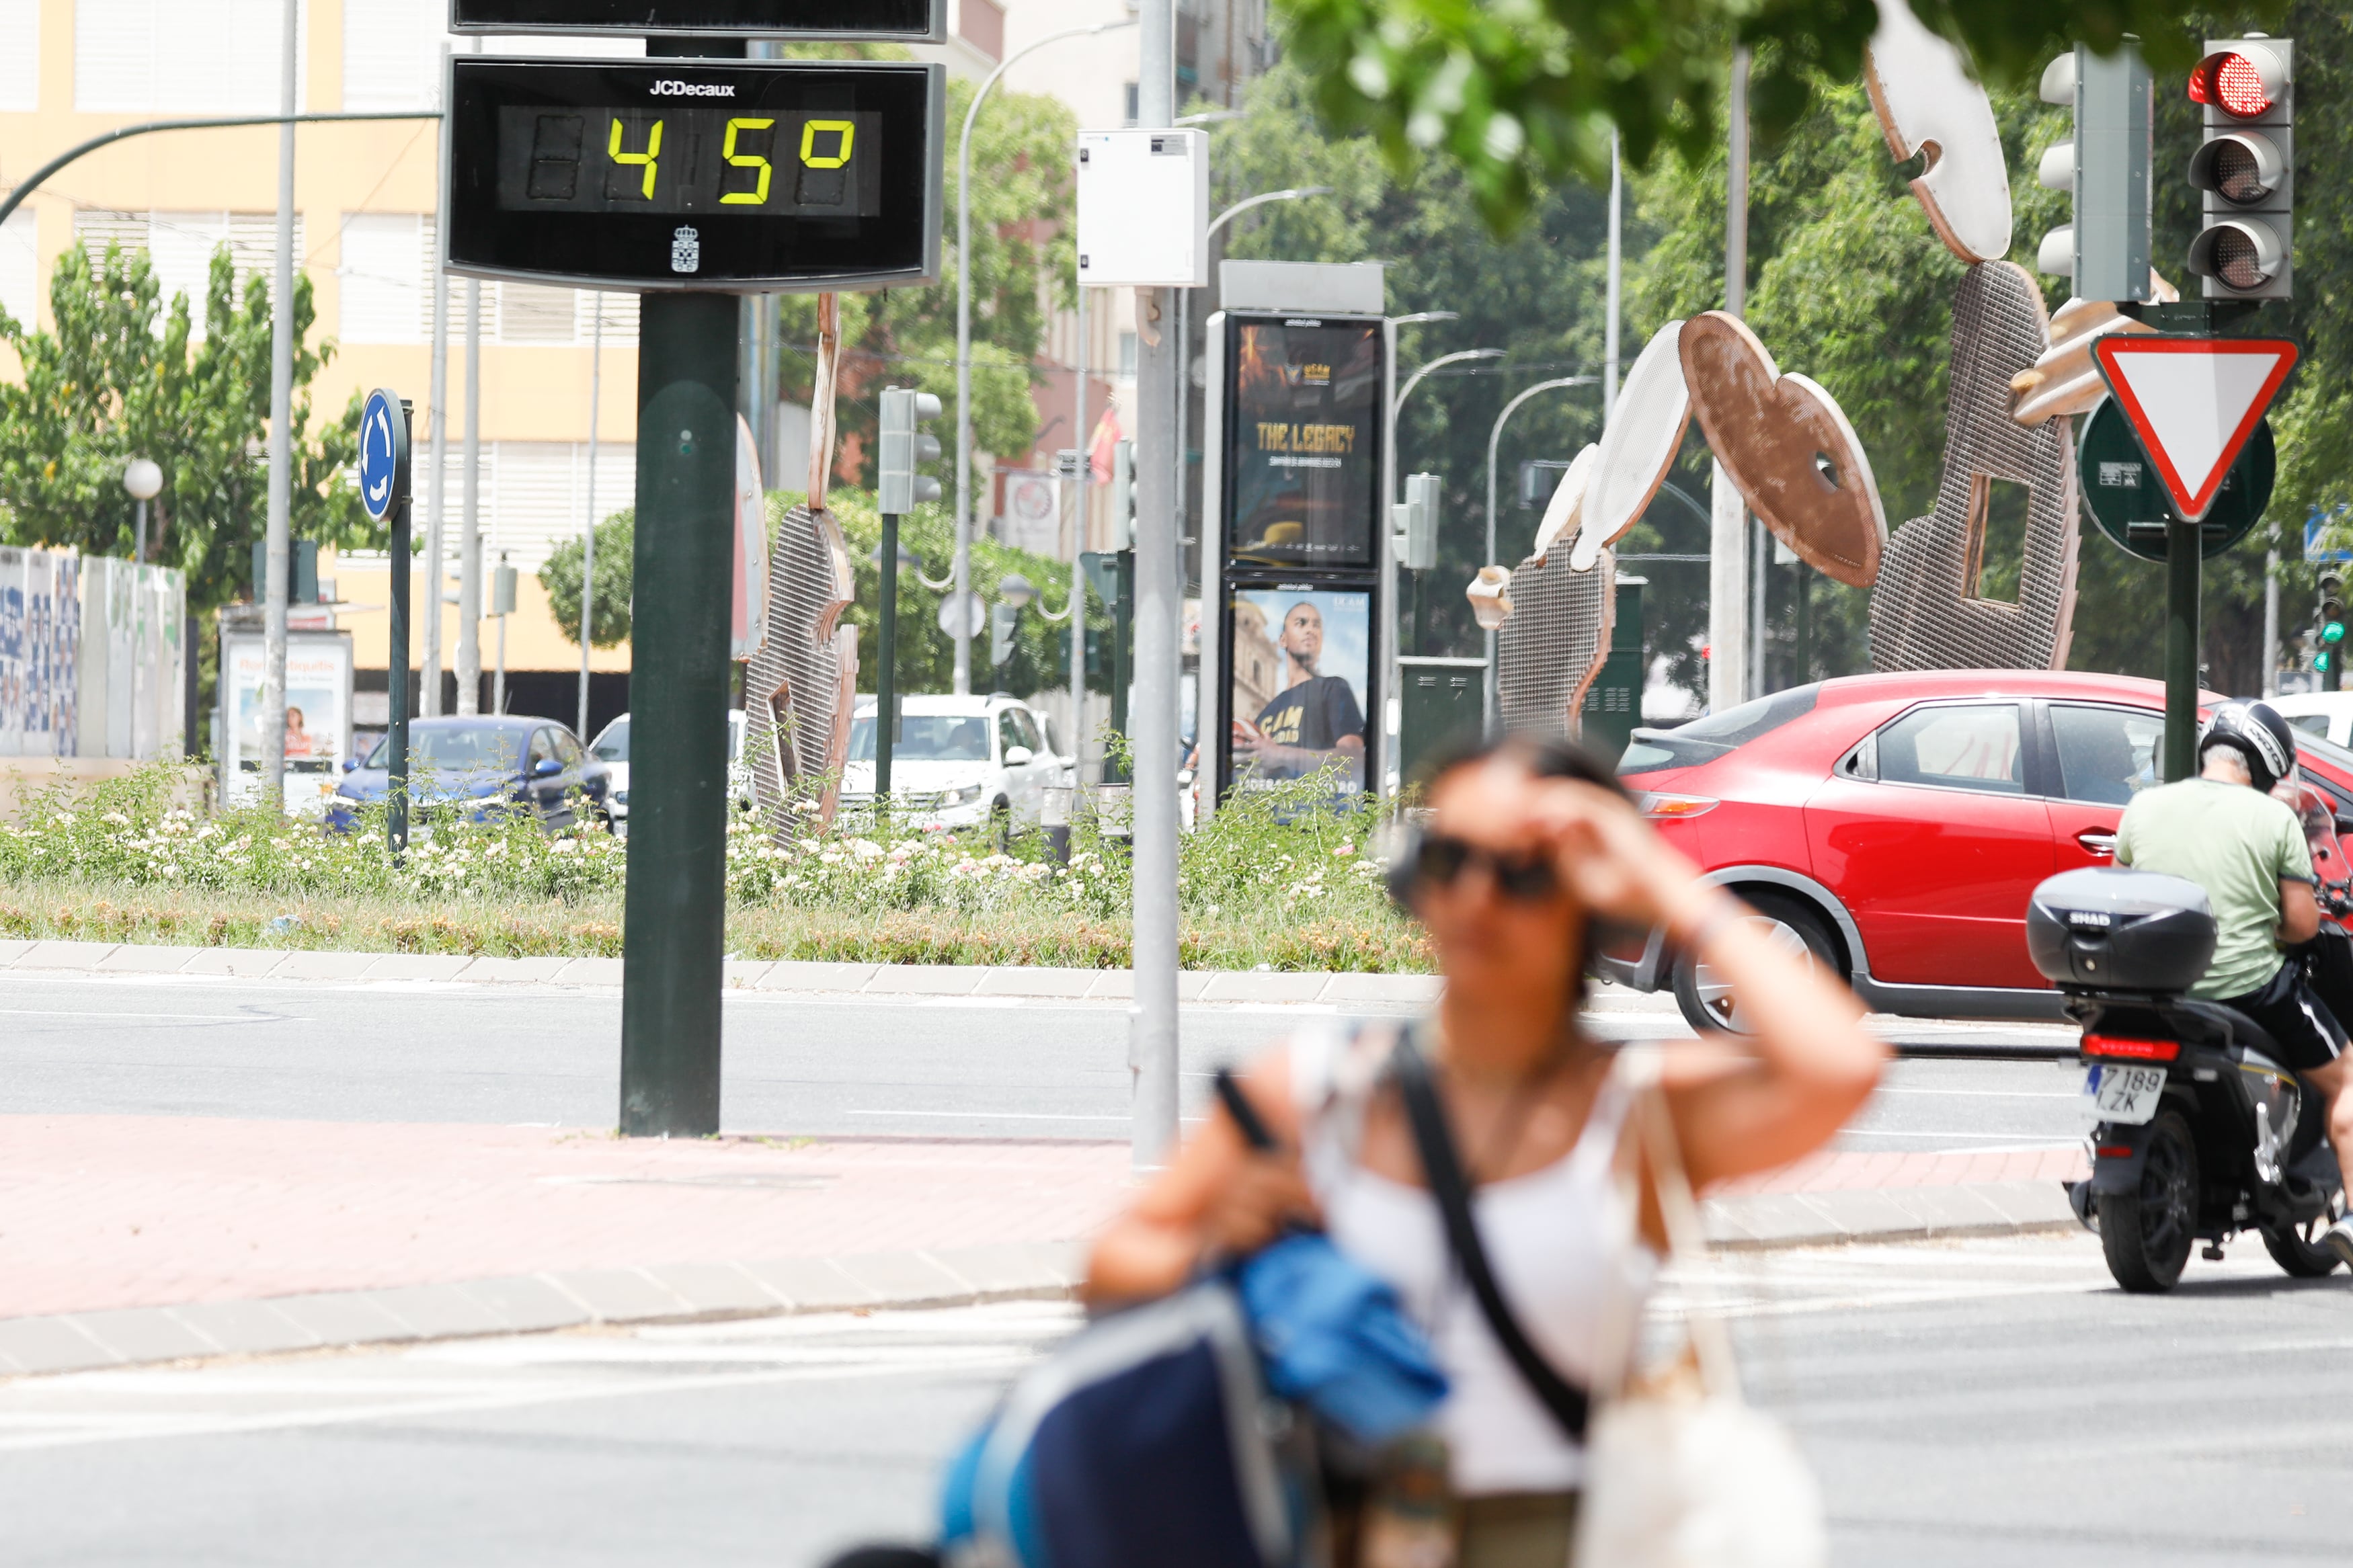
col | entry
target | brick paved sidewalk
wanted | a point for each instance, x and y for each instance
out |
(108, 1211)
(102, 1212)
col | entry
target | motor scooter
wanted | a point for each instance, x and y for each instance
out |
(2199, 1133)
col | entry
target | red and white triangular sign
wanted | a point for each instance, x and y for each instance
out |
(2193, 402)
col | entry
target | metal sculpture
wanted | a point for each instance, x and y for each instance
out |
(1553, 641)
(1926, 612)
(1927, 103)
(1645, 432)
(1787, 448)
(801, 689)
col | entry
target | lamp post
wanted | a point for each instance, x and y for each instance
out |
(964, 334)
(1395, 400)
(1396, 409)
(144, 480)
(1487, 704)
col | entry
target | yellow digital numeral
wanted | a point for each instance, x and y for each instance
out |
(650, 157)
(841, 128)
(747, 161)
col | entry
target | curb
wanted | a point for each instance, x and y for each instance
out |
(538, 1303)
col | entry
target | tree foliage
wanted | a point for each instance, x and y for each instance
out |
(615, 580)
(1522, 93)
(1023, 260)
(124, 375)
(1537, 295)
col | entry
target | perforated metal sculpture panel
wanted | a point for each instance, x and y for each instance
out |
(1554, 644)
(800, 690)
(1926, 612)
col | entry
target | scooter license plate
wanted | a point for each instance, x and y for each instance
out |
(2125, 1095)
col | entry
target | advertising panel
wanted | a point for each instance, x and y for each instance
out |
(1303, 432)
(1300, 657)
(318, 717)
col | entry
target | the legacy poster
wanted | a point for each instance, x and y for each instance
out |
(1306, 455)
(1299, 659)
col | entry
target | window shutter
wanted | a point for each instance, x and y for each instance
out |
(379, 278)
(114, 56)
(20, 268)
(20, 56)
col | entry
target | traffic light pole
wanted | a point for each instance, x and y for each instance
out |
(2183, 569)
(886, 679)
(675, 909)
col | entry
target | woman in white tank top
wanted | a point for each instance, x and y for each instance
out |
(1527, 844)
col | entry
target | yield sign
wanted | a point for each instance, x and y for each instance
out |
(2192, 403)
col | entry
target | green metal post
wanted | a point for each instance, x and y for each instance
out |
(886, 679)
(1123, 659)
(2181, 584)
(675, 907)
(396, 790)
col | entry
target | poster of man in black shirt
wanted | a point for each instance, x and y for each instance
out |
(1314, 719)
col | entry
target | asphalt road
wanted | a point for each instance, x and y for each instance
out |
(936, 1066)
(1966, 1404)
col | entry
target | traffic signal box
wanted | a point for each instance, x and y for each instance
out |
(903, 447)
(2328, 632)
(2245, 169)
(2105, 168)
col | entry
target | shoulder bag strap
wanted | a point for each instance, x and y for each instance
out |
(1450, 1189)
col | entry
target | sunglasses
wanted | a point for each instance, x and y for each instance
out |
(1525, 878)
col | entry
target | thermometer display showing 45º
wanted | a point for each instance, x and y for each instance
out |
(749, 176)
(690, 160)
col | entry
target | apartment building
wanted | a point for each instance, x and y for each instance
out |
(365, 195)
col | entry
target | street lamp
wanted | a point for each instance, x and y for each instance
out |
(1015, 590)
(1494, 435)
(964, 332)
(144, 480)
(1398, 408)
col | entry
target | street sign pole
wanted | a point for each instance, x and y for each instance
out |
(2183, 564)
(395, 821)
(675, 913)
(2195, 405)
(385, 493)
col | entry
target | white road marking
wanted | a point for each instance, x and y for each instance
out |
(475, 1375)
(119, 1017)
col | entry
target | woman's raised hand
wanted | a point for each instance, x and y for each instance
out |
(1611, 861)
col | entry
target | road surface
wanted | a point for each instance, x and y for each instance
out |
(1964, 1404)
(953, 1067)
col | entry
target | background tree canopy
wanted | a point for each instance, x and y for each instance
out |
(122, 376)
(1024, 262)
(1846, 283)
(1519, 93)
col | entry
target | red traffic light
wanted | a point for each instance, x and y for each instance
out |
(2242, 83)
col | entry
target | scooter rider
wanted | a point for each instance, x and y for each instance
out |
(2226, 832)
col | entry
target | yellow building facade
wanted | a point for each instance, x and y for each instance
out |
(365, 196)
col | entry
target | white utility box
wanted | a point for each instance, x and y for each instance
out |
(1144, 209)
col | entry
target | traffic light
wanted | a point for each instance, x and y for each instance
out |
(1415, 522)
(2329, 629)
(2104, 167)
(903, 446)
(1002, 619)
(2245, 169)
(1123, 495)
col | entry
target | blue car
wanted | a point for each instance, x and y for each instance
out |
(487, 767)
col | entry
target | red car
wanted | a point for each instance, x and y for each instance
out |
(1894, 825)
